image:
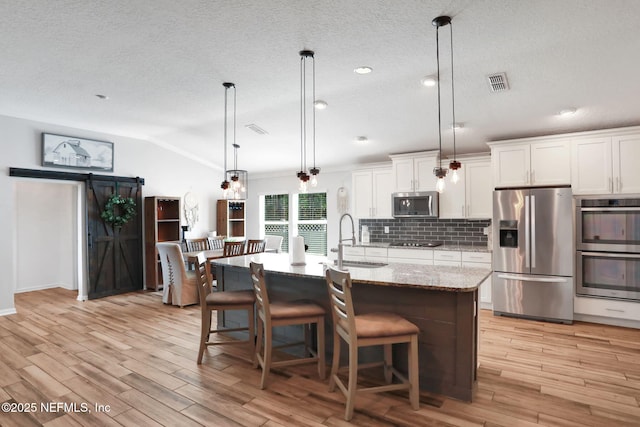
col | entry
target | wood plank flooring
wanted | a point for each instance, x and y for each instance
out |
(136, 357)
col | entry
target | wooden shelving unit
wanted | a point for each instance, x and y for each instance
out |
(230, 218)
(161, 224)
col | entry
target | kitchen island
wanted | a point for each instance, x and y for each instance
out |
(441, 301)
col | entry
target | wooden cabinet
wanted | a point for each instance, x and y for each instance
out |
(161, 224)
(472, 196)
(531, 163)
(606, 165)
(231, 218)
(371, 189)
(414, 171)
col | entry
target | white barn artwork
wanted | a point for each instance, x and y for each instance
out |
(70, 152)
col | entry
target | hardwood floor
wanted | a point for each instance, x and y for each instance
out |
(138, 356)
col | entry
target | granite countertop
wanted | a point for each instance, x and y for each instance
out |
(451, 279)
(444, 247)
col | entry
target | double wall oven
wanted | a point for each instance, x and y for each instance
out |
(608, 247)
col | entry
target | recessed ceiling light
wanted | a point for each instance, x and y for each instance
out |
(362, 70)
(102, 96)
(320, 105)
(567, 112)
(428, 81)
(362, 140)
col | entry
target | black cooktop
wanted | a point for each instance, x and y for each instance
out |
(428, 244)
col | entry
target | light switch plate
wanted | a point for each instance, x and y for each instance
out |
(386, 229)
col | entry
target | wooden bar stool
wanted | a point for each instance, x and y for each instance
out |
(366, 330)
(276, 313)
(221, 300)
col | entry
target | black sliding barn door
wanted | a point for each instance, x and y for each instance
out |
(114, 253)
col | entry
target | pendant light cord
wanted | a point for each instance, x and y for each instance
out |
(303, 115)
(224, 173)
(439, 113)
(235, 154)
(313, 106)
(453, 98)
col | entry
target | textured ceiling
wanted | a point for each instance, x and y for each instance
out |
(162, 64)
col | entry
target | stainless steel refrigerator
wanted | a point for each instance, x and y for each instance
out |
(533, 253)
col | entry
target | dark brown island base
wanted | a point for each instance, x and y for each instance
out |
(441, 301)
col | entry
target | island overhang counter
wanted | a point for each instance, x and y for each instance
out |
(441, 301)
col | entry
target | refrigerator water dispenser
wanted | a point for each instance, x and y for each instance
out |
(508, 234)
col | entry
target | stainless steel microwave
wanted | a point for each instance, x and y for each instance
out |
(422, 204)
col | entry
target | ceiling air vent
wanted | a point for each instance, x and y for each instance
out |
(257, 129)
(498, 82)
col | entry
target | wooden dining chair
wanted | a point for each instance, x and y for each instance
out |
(216, 242)
(255, 246)
(211, 301)
(284, 313)
(194, 245)
(180, 285)
(365, 330)
(233, 249)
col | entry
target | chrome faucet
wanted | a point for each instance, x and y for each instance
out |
(340, 240)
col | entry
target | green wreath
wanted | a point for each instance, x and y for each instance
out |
(118, 210)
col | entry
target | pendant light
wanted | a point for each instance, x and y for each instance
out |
(454, 165)
(304, 177)
(234, 184)
(237, 176)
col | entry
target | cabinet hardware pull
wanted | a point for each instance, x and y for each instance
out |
(614, 309)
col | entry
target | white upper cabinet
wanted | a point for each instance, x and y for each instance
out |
(531, 163)
(606, 165)
(414, 171)
(471, 197)
(372, 190)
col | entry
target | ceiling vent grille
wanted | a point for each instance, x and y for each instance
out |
(257, 129)
(498, 82)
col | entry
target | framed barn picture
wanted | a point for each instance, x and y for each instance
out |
(76, 153)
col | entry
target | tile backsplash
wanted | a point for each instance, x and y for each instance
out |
(450, 231)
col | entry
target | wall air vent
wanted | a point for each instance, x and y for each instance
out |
(257, 129)
(498, 82)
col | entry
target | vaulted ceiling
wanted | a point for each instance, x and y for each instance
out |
(162, 64)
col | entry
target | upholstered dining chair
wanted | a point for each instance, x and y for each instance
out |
(284, 313)
(211, 301)
(273, 243)
(255, 246)
(179, 284)
(233, 249)
(365, 330)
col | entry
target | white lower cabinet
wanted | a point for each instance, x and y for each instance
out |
(353, 253)
(375, 254)
(448, 258)
(411, 256)
(617, 312)
(482, 260)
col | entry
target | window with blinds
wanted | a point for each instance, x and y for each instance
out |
(276, 217)
(312, 221)
(308, 218)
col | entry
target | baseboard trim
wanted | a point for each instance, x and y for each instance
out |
(8, 311)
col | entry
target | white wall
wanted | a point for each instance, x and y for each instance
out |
(328, 182)
(165, 172)
(46, 224)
